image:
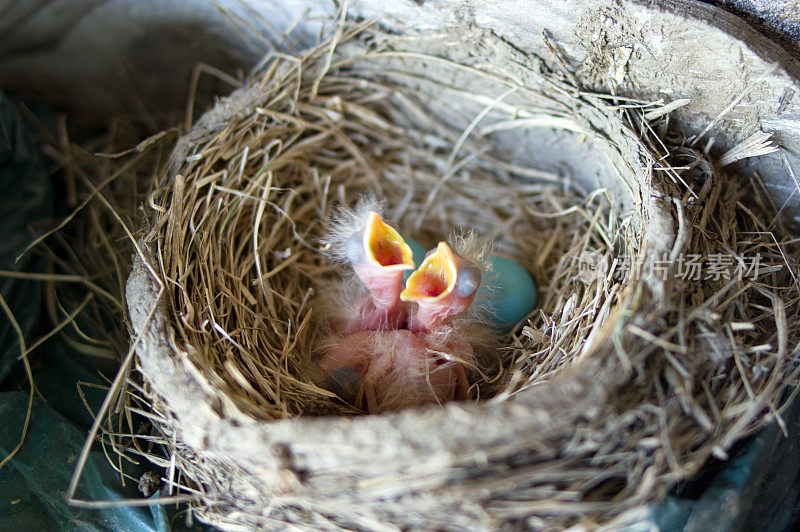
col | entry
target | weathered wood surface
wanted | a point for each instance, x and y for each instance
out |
(90, 54)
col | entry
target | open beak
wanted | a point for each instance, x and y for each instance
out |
(444, 285)
(385, 247)
(379, 256)
(435, 279)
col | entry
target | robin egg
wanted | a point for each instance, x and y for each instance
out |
(418, 252)
(508, 293)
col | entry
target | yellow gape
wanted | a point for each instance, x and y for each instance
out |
(436, 277)
(385, 246)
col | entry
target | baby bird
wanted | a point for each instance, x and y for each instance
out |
(378, 255)
(400, 348)
(381, 371)
(444, 285)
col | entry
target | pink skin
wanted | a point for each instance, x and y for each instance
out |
(387, 359)
(383, 310)
(431, 314)
(379, 257)
(441, 291)
(391, 370)
(367, 317)
(383, 282)
(371, 318)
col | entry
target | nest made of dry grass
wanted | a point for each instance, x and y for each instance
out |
(683, 368)
(240, 224)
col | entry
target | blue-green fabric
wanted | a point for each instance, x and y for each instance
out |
(32, 485)
(34, 482)
(24, 202)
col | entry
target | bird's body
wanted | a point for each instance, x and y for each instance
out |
(381, 371)
(397, 346)
(369, 317)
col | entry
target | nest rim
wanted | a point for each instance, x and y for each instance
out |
(442, 434)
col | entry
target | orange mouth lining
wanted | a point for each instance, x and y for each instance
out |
(430, 285)
(385, 245)
(435, 278)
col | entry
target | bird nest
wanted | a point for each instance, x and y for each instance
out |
(667, 312)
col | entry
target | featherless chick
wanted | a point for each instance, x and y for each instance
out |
(394, 345)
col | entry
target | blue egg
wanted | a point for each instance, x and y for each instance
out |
(507, 293)
(419, 255)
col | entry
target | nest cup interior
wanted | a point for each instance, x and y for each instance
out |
(447, 148)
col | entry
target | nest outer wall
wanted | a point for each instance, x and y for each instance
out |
(518, 456)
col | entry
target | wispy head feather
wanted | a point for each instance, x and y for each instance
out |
(472, 247)
(344, 223)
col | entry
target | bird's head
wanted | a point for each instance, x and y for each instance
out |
(444, 285)
(379, 256)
